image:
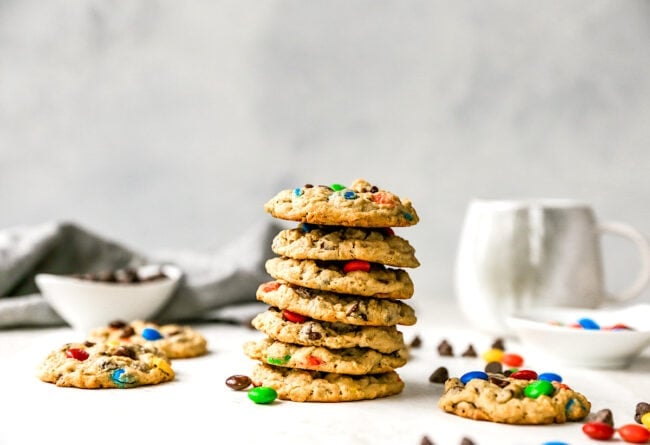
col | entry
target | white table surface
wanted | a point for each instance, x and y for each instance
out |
(197, 407)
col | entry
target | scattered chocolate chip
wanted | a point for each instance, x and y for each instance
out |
(440, 375)
(124, 275)
(604, 416)
(308, 186)
(466, 441)
(426, 441)
(416, 342)
(238, 382)
(445, 349)
(469, 352)
(641, 409)
(508, 372)
(494, 368)
(499, 344)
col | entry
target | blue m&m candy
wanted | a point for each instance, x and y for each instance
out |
(465, 378)
(151, 334)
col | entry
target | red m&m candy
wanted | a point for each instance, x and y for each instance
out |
(634, 433)
(598, 430)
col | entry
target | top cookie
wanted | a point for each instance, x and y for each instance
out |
(359, 205)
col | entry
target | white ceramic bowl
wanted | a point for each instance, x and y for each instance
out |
(86, 304)
(584, 348)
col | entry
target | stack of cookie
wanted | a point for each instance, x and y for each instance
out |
(337, 296)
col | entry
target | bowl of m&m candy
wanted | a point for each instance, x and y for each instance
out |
(586, 338)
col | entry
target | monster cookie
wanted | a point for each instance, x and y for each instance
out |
(289, 327)
(507, 400)
(102, 365)
(360, 205)
(332, 243)
(344, 361)
(368, 279)
(313, 386)
(328, 306)
(174, 340)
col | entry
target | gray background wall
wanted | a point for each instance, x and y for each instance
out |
(167, 124)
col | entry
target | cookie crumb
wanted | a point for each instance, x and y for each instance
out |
(445, 349)
(440, 375)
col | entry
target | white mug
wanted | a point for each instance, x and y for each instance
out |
(514, 255)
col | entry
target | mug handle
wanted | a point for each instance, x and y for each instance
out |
(641, 242)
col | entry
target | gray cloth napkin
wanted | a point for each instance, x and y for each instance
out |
(212, 280)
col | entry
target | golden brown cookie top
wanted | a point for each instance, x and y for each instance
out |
(359, 205)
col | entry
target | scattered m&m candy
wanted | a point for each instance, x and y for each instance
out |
(262, 395)
(634, 433)
(598, 430)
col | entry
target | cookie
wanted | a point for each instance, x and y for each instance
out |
(312, 386)
(359, 205)
(505, 402)
(343, 361)
(289, 327)
(379, 281)
(336, 243)
(103, 365)
(176, 341)
(328, 306)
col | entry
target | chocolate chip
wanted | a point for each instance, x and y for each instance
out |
(89, 344)
(440, 375)
(308, 186)
(445, 349)
(494, 368)
(127, 332)
(117, 324)
(501, 383)
(124, 351)
(604, 416)
(508, 372)
(174, 332)
(469, 352)
(466, 441)
(641, 409)
(352, 309)
(498, 344)
(426, 441)
(416, 342)
(126, 276)
(238, 382)
(374, 189)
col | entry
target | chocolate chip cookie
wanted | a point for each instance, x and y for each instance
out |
(101, 365)
(503, 400)
(332, 307)
(289, 327)
(177, 341)
(336, 243)
(376, 281)
(359, 205)
(344, 361)
(312, 386)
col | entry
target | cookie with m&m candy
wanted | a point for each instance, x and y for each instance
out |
(360, 204)
(91, 365)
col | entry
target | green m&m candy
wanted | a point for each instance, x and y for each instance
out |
(538, 388)
(262, 395)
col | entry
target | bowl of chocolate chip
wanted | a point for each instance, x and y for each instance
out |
(89, 300)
